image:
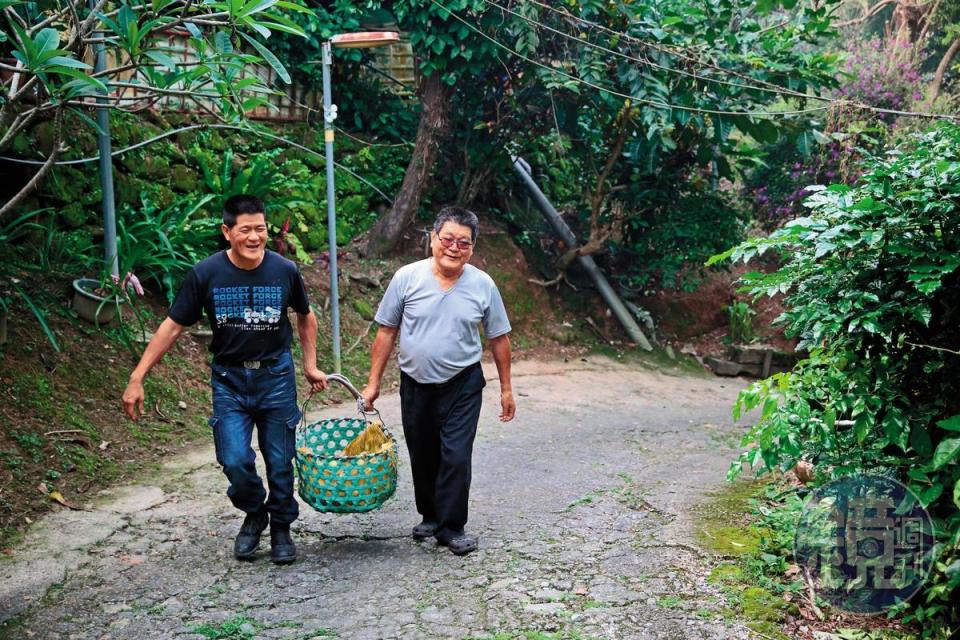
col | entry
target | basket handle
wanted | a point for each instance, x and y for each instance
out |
(361, 405)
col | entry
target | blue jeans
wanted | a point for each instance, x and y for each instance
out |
(267, 398)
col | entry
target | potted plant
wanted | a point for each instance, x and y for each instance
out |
(98, 301)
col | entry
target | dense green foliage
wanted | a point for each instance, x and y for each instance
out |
(163, 244)
(367, 101)
(640, 173)
(872, 285)
(169, 198)
(52, 43)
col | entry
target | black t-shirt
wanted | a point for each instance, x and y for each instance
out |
(247, 310)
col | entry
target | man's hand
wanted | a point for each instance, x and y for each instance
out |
(370, 393)
(166, 334)
(508, 406)
(133, 400)
(317, 379)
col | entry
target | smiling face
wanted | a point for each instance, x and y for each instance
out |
(247, 238)
(451, 259)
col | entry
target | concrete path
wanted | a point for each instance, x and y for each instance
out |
(583, 506)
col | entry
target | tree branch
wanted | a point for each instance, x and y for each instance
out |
(18, 125)
(87, 25)
(44, 170)
(928, 21)
(71, 8)
(13, 16)
(18, 96)
(599, 192)
(937, 81)
(929, 346)
(145, 88)
(210, 111)
(874, 10)
(561, 278)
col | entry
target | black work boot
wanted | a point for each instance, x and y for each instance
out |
(249, 537)
(282, 549)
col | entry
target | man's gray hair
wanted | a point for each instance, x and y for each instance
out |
(461, 216)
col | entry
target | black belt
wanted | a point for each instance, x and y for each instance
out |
(247, 364)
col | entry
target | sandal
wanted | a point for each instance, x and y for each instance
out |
(459, 545)
(424, 530)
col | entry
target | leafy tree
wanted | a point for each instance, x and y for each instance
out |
(649, 105)
(495, 79)
(52, 43)
(450, 55)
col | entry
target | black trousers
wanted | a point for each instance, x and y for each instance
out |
(440, 424)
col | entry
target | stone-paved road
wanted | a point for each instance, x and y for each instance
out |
(583, 506)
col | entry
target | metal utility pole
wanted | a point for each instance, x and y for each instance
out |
(329, 115)
(560, 227)
(106, 164)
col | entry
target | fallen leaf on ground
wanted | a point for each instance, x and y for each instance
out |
(57, 497)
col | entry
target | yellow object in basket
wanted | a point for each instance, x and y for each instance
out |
(371, 440)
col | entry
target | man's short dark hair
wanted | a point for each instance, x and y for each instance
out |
(458, 215)
(238, 205)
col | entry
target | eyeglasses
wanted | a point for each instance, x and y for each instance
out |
(463, 245)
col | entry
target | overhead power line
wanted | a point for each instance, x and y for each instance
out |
(669, 50)
(666, 105)
(638, 99)
(650, 63)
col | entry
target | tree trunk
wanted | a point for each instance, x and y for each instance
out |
(935, 85)
(435, 103)
(471, 186)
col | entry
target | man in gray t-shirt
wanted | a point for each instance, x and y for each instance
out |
(437, 306)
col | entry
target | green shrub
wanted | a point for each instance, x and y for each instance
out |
(741, 322)
(872, 283)
(668, 232)
(295, 194)
(162, 244)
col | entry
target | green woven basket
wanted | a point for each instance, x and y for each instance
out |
(334, 483)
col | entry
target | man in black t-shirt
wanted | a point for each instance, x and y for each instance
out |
(245, 292)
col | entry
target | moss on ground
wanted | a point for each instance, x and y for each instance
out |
(758, 607)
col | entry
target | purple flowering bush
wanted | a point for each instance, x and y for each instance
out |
(882, 74)
(878, 74)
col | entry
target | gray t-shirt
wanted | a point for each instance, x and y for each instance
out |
(439, 333)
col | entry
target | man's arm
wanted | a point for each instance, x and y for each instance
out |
(500, 347)
(307, 329)
(162, 340)
(379, 354)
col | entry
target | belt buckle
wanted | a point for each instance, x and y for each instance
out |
(251, 364)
